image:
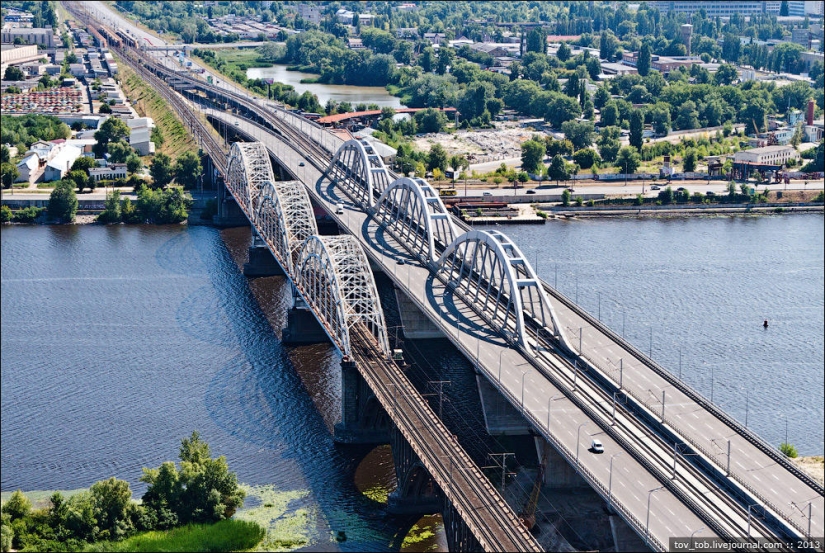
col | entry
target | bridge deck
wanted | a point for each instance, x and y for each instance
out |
(752, 468)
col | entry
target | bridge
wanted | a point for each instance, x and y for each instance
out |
(704, 472)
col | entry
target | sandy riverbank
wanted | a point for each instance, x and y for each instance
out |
(813, 465)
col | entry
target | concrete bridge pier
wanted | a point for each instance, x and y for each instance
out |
(229, 212)
(301, 325)
(459, 536)
(261, 261)
(416, 492)
(363, 420)
(414, 323)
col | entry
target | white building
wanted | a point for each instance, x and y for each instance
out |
(60, 164)
(28, 167)
(140, 140)
(768, 155)
(110, 172)
(310, 13)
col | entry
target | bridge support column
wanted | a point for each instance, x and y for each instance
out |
(459, 536)
(416, 492)
(301, 325)
(558, 473)
(229, 213)
(261, 261)
(363, 420)
(414, 323)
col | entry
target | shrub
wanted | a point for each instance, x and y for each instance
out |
(789, 450)
(28, 215)
(579, 201)
(5, 214)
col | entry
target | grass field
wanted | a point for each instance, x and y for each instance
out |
(149, 103)
(226, 535)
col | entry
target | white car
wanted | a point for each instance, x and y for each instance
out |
(596, 446)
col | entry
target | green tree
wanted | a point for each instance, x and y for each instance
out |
(537, 41)
(18, 506)
(608, 143)
(161, 170)
(628, 160)
(63, 202)
(660, 118)
(111, 498)
(580, 133)
(688, 117)
(437, 158)
(586, 158)
(119, 151)
(134, 163)
(104, 109)
(80, 179)
(689, 162)
(563, 53)
(637, 126)
(601, 97)
(643, 65)
(565, 198)
(783, 8)
(112, 209)
(112, 130)
(13, 74)
(83, 163)
(725, 75)
(557, 170)
(532, 154)
(430, 120)
(188, 169)
(5, 154)
(610, 114)
(788, 449)
(10, 174)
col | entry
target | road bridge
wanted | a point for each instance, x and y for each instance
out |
(443, 288)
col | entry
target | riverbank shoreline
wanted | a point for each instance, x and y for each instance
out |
(658, 212)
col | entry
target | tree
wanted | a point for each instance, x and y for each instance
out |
(610, 114)
(725, 75)
(112, 130)
(18, 506)
(689, 163)
(134, 163)
(688, 117)
(161, 170)
(111, 499)
(537, 41)
(10, 174)
(783, 8)
(112, 209)
(586, 158)
(608, 143)
(83, 163)
(5, 154)
(119, 151)
(104, 108)
(580, 133)
(557, 170)
(563, 53)
(637, 126)
(437, 158)
(63, 202)
(80, 179)
(660, 118)
(532, 154)
(430, 120)
(560, 109)
(188, 169)
(643, 64)
(628, 160)
(13, 74)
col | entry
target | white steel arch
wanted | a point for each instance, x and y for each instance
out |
(334, 277)
(414, 212)
(360, 172)
(248, 169)
(284, 219)
(492, 274)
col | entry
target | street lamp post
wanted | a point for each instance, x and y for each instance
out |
(699, 530)
(647, 523)
(610, 482)
(522, 390)
(499, 363)
(549, 404)
(578, 432)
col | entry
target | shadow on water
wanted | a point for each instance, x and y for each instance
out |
(259, 398)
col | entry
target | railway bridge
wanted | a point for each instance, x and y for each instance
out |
(694, 467)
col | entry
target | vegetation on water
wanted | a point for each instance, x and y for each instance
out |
(287, 528)
(202, 492)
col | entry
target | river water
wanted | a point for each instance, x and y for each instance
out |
(339, 93)
(119, 341)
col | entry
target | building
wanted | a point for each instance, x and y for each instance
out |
(768, 155)
(355, 43)
(714, 8)
(28, 168)
(310, 13)
(435, 38)
(11, 55)
(110, 172)
(60, 164)
(140, 140)
(43, 36)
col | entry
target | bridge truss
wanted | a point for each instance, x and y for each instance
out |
(359, 171)
(285, 220)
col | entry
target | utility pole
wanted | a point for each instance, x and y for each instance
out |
(502, 465)
(440, 393)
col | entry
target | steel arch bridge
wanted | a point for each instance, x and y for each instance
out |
(334, 276)
(359, 171)
(415, 214)
(284, 219)
(492, 274)
(248, 170)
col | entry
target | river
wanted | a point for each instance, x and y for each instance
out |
(325, 92)
(119, 341)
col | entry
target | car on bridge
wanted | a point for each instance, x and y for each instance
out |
(596, 446)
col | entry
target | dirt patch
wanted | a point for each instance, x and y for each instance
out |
(813, 465)
(486, 145)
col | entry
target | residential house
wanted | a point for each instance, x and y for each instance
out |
(435, 38)
(28, 167)
(60, 164)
